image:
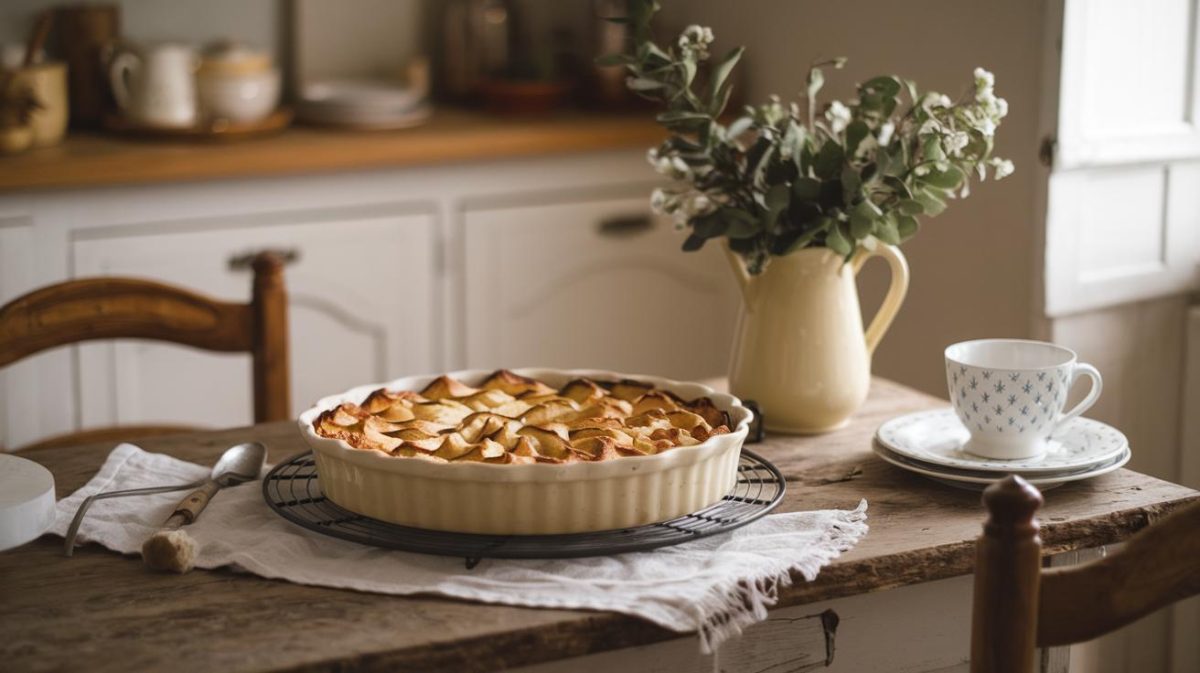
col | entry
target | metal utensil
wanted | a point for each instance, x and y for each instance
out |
(239, 463)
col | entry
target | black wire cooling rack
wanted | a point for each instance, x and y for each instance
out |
(293, 490)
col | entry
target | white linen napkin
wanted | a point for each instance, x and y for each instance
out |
(715, 586)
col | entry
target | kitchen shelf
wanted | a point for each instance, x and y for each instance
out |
(452, 135)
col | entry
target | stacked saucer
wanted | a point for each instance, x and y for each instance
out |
(930, 443)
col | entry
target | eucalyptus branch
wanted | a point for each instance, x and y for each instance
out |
(858, 170)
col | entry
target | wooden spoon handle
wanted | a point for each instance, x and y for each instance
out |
(190, 507)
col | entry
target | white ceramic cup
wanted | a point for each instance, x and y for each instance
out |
(1010, 393)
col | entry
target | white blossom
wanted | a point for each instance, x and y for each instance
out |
(838, 116)
(984, 83)
(934, 99)
(987, 127)
(955, 142)
(696, 39)
(1001, 108)
(886, 130)
(658, 201)
(1002, 168)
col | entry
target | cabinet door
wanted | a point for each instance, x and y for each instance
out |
(360, 310)
(599, 284)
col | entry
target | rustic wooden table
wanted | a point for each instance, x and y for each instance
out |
(102, 611)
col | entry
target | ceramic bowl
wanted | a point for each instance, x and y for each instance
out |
(240, 98)
(535, 499)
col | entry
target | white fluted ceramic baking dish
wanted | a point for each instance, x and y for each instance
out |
(535, 499)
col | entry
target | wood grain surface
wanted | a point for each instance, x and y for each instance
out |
(86, 160)
(101, 611)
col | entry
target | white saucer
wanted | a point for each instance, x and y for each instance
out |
(979, 479)
(937, 437)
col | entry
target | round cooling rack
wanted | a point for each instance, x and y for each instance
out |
(293, 490)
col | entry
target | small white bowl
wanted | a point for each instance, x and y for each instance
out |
(240, 98)
(535, 499)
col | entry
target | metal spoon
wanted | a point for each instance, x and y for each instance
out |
(238, 464)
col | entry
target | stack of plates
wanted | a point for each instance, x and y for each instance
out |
(930, 443)
(363, 104)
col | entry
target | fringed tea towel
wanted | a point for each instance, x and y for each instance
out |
(715, 586)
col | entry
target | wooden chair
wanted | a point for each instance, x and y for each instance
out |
(116, 308)
(1020, 607)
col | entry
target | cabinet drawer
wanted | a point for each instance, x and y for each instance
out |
(599, 284)
(361, 296)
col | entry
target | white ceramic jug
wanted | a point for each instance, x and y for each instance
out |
(800, 351)
(156, 85)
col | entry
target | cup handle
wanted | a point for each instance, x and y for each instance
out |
(123, 65)
(1094, 394)
(895, 294)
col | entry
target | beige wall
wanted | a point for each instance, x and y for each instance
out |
(973, 268)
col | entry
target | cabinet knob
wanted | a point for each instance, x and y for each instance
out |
(244, 260)
(620, 226)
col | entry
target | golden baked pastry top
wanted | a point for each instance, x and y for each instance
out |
(515, 419)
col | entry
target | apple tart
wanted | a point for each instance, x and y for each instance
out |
(526, 452)
(513, 419)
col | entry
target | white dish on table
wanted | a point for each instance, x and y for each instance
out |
(532, 499)
(937, 437)
(977, 480)
(26, 501)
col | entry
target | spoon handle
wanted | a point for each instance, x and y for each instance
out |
(190, 507)
(73, 530)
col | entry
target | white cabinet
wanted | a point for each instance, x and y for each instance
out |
(593, 283)
(361, 297)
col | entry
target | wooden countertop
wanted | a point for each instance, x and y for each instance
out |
(452, 135)
(105, 612)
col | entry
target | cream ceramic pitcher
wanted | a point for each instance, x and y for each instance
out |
(156, 85)
(800, 351)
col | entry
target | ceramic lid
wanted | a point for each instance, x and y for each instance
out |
(232, 58)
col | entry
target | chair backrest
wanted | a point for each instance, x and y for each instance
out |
(113, 308)
(1020, 607)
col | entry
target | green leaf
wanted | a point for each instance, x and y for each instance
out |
(885, 230)
(806, 189)
(862, 218)
(777, 198)
(757, 157)
(837, 241)
(886, 85)
(709, 225)
(643, 84)
(855, 132)
(741, 224)
(717, 106)
(907, 227)
(932, 148)
(930, 202)
(910, 207)
(738, 127)
(693, 243)
(673, 116)
(851, 184)
(828, 162)
(897, 186)
(950, 178)
(816, 80)
(721, 71)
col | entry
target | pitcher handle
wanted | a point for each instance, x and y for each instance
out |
(123, 65)
(895, 294)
